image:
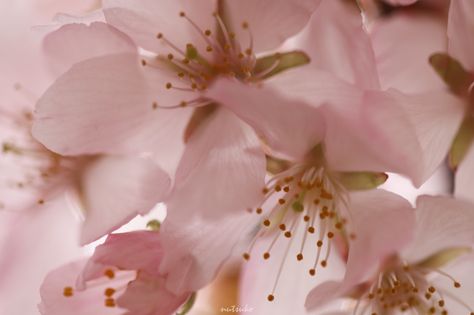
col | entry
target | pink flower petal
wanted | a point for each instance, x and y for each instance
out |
(436, 117)
(361, 134)
(270, 21)
(402, 44)
(267, 111)
(76, 42)
(196, 248)
(142, 20)
(336, 42)
(222, 169)
(384, 223)
(464, 177)
(116, 189)
(442, 223)
(323, 293)
(105, 105)
(139, 250)
(460, 28)
(147, 295)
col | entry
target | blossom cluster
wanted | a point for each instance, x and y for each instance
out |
(268, 129)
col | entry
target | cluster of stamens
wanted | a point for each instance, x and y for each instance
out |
(38, 165)
(195, 70)
(305, 196)
(405, 288)
(108, 293)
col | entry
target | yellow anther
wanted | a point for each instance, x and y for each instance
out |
(109, 302)
(109, 292)
(68, 291)
(109, 273)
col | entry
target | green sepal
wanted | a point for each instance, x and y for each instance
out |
(276, 165)
(452, 72)
(462, 142)
(443, 257)
(285, 61)
(186, 308)
(362, 180)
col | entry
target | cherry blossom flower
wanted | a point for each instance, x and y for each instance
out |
(211, 40)
(312, 192)
(288, 268)
(359, 117)
(311, 197)
(426, 275)
(120, 278)
(35, 176)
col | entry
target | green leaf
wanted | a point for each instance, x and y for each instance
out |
(452, 72)
(188, 305)
(443, 257)
(362, 180)
(280, 62)
(462, 142)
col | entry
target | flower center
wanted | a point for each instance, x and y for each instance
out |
(404, 287)
(30, 165)
(223, 55)
(307, 196)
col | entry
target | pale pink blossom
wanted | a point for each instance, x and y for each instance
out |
(280, 266)
(426, 274)
(120, 278)
(195, 45)
(311, 194)
(33, 176)
(357, 118)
